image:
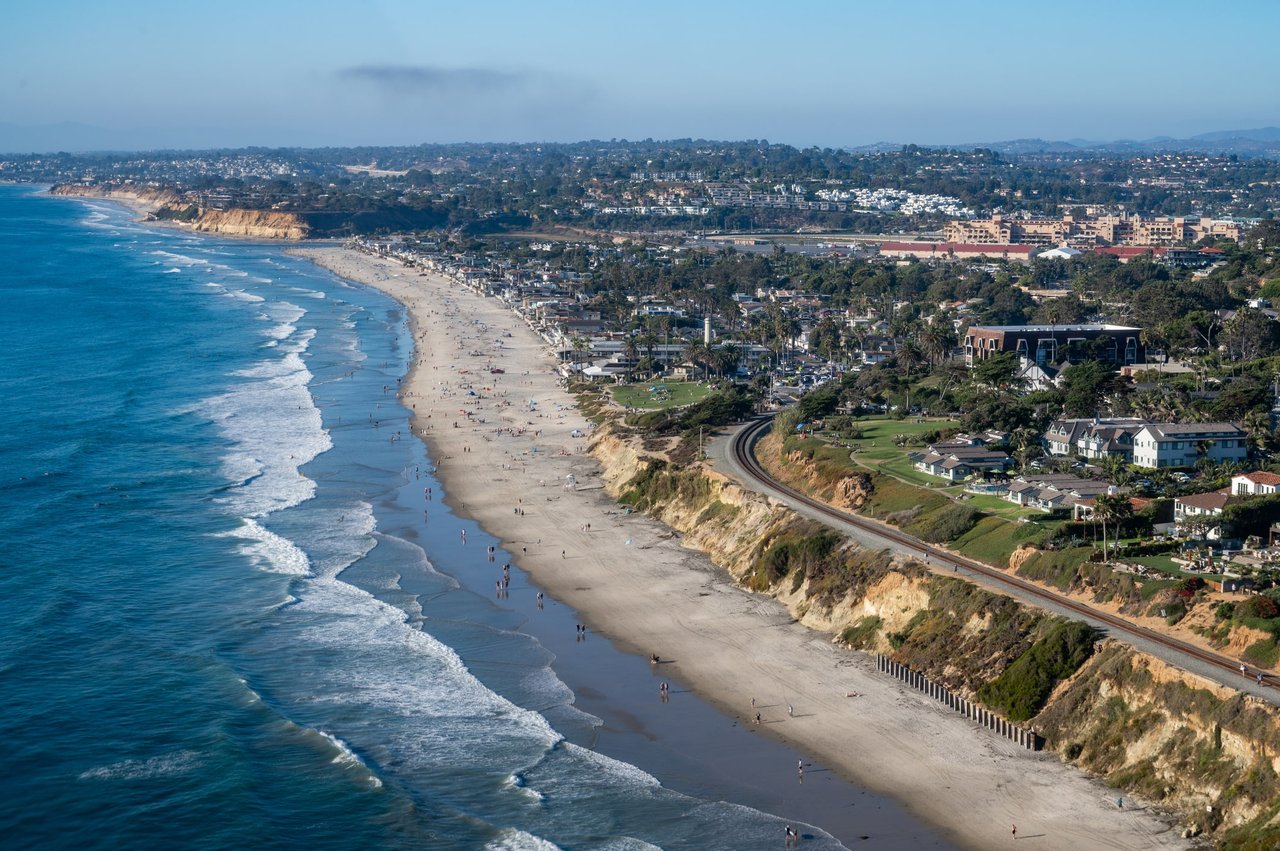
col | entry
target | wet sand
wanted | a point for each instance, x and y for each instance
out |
(632, 582)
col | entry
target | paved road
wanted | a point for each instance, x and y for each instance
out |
(722, 455)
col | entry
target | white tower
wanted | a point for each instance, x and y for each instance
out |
(706, 330)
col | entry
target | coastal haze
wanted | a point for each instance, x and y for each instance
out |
(395, 455)
(146, 76)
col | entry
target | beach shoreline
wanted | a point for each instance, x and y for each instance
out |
(503, 456)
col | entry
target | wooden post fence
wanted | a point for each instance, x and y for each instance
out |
(1028, 739)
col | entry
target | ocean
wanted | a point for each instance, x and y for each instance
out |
(233, 616)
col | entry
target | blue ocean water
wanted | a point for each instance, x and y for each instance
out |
(228, 615)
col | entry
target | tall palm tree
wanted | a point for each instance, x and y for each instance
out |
(1111, 508)
(937, 339)
(630, 351)
(1257, 424)
(730, 354)
(1025, 443)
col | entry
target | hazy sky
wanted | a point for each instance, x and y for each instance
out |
(277, 72)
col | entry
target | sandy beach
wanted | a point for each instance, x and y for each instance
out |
(505, 437)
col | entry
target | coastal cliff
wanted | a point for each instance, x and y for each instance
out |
(1147, 729)
(165, 206)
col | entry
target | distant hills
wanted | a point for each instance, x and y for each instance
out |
(1258, 142)
(79, 138)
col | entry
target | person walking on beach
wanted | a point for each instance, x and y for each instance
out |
(1014, 831)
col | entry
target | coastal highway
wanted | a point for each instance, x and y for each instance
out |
(734, 455)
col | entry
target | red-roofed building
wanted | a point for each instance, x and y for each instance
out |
(957, 251)
(1125, 253)
(1253, 484)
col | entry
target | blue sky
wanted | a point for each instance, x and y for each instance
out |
(278, 72)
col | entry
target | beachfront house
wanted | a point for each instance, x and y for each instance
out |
(1183, 444)
(956, 462)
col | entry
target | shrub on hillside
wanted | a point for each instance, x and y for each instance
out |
(946, 524)
(1257, 606)
(1019, 693)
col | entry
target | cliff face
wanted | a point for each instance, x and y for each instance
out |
(1146, 728)
(260, 224)
(140, 198)
(169, 207)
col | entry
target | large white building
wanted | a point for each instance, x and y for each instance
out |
(1182, 444)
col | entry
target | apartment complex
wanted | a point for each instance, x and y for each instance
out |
(1182, 444)
(1049, 344)
(1087, 231)
(1092, 437)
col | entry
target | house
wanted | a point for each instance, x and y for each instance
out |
(1084, 508)
(957, 462)
(1093, 437)
(1051, 491)
(1048, 344)
(1203, 510)
(1182, 444)
(1105, 441)
(1255, 484)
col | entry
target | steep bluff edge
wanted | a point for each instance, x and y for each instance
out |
(1147, 729)
(165, 206)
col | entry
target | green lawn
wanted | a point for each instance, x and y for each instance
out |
(880, 429)
(664, 394)
(994, 539)
(1164, 564)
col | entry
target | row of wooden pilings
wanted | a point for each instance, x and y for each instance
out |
(1026, 738)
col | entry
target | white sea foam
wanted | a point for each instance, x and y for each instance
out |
(173, 270)
(285, 311)
(180, 259)
(241, 295)
(410, 675)
(275, 428)
(348, 757)
(164, 765)
(270, 552)
(279, 332)
(516, 782)
(510, 839)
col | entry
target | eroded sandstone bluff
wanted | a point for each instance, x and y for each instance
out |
(1205, 752)
(165, 206)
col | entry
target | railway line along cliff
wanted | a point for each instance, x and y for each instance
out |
(1149, 730)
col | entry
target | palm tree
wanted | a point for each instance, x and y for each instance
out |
(695, 352)
(937, 340)
(630, 351)
(730, 354)
(648, 339)
(1026, 445)
(1257, 424)
(1114, 508)
(1117, 470)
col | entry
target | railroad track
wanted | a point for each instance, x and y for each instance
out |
(742, 449)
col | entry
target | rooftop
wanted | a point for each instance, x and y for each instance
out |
(1052, 328)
